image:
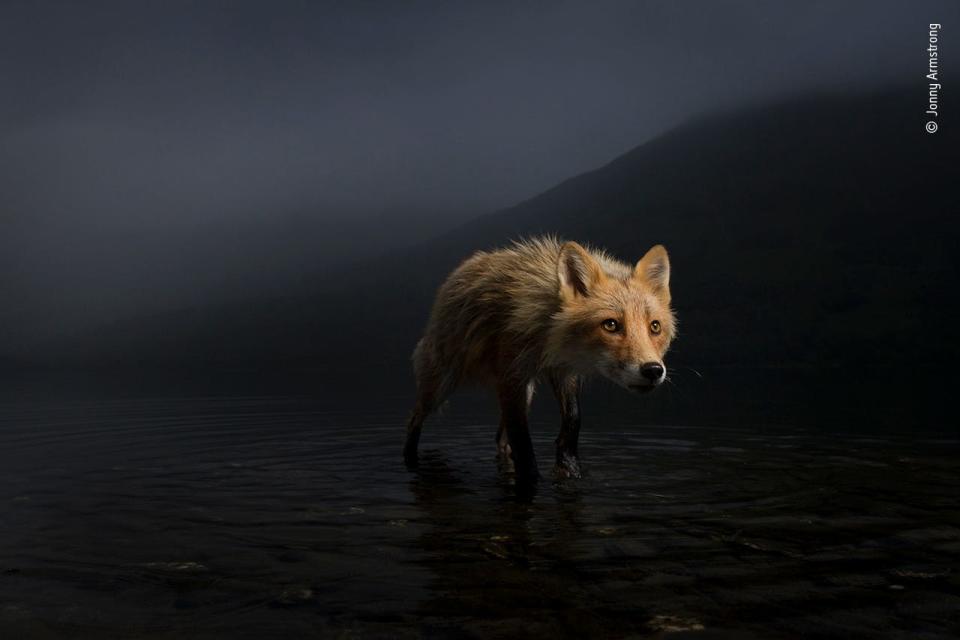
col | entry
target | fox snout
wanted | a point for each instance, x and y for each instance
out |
(652, 372)
(649, 375)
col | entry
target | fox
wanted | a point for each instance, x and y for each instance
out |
(543, 309)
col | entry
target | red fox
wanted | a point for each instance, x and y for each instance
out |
(543, 309)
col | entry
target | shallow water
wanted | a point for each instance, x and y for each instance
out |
(230, 515)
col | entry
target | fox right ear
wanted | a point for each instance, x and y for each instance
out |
(654, 269)
(578, 271)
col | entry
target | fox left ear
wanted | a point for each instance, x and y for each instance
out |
(654, 269)
(577, 270)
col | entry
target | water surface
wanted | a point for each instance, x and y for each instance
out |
(173, 514)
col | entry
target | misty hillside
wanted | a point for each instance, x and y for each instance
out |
(81, 274)
(816, 232)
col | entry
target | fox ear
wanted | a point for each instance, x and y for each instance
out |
(578, 271)
(654, 269)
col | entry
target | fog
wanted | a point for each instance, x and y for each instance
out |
(157, 154)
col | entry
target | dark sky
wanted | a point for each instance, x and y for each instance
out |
(135, 136)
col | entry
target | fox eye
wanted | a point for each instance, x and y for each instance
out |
(610, 325)
(655, 327)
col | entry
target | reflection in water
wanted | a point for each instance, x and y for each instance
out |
(508, 565)
(251, 516)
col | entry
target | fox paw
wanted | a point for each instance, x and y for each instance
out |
(568, 466)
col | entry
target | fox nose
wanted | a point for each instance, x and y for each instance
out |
(652, 371)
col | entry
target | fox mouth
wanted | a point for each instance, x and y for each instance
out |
(643, 388)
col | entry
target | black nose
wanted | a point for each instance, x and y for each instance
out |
(652, 371)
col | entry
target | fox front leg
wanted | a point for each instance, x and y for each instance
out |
(567, 390)
(503, 438)
(503, 442)
(514, 403)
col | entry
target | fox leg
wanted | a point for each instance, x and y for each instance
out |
(431, 392)
(514, 401)
(503, 442)
(567, 390)
(414, 425)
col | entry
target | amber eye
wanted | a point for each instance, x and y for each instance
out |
(610, 325)
(655, 327)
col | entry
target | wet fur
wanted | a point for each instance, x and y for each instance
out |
(532, 311)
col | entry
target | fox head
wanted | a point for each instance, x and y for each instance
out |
(614, 320)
